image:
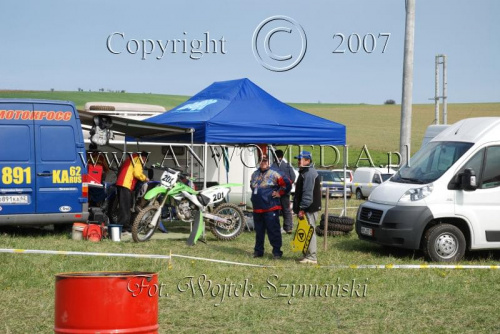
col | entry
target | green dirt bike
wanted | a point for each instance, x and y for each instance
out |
(226, 220)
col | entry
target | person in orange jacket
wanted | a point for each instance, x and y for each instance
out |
(130, 171)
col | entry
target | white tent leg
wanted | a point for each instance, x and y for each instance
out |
(344, 213)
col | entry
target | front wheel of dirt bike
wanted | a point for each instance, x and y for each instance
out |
(142, 230)
(235, 222)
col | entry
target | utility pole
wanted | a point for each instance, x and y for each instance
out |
(445, 92)
(406, 102)
(440, 60)
(436, 92)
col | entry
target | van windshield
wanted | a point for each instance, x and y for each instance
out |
(432, 161)
(329, 176)
(386, 177)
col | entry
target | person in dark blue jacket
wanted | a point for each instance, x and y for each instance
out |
(267, 186)
(286, 170)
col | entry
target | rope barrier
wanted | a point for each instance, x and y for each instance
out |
(51, 252)
(170, 256)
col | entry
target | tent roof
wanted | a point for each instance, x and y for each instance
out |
(240, 112)
(135, 128)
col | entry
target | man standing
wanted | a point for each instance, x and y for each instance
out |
(267, 186)
(307, 200)
(286, 170)
(130, 171)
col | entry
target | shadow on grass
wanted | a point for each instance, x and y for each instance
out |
(380, 251)
(483, 255)
(30, 231)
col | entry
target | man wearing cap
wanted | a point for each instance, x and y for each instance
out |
(307, 200)
(267, 186)
(286, 170)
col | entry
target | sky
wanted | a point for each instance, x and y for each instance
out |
(93, 44)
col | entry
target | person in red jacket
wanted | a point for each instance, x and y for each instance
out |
(130, 171)
(267, 186)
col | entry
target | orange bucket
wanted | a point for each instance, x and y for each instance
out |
(92, 232)
(106, 302)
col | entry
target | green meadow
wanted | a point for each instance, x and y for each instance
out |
(376, 126)
(279, 297)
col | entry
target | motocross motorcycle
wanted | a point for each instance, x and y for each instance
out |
(226, 220)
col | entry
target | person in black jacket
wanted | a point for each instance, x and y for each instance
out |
(307, 200)
(286, 170)
(267, 186)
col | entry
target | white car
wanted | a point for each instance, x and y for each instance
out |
(366, 179)
(296, 170)
(334, 182)
(349, 175)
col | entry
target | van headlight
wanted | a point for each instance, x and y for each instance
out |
(416, 194)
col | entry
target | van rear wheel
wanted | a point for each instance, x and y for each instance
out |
(444, 243)
(359, 194)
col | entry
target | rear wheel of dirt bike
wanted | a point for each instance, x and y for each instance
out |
(141, 228)
(235, 225)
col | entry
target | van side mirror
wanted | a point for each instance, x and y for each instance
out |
(468, 180)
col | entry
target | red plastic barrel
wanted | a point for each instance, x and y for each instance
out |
(106, 302)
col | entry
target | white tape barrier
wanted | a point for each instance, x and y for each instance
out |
(168, 257)
(411, 266)
(222, 261)
(35, 251)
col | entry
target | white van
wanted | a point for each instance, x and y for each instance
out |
(447, 200)
(432, 131)
(366, 179)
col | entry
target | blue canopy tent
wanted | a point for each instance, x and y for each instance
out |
(240, 112)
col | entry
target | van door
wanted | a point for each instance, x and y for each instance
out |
(17, 159)
(374, 183)
(482, 206)
(58, 163)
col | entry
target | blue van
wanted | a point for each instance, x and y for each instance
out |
(41, 166)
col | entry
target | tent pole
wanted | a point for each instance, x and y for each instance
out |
(245, 181)
(205, 153)
(345, 181)
(192, 149)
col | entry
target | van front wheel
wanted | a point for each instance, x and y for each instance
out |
(444, 243)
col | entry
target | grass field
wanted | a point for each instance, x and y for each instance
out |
(389, 301)
(385, 301)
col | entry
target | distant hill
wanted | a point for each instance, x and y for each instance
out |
(80, 98)
(377, 126)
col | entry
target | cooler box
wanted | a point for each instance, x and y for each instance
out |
(94, 174)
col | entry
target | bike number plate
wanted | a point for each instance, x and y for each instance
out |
(168, 179)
